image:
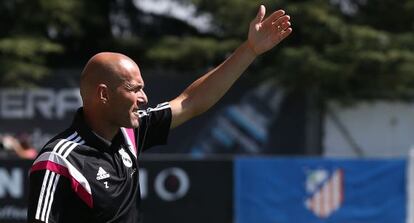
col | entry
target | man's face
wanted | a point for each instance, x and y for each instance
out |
(128, 97)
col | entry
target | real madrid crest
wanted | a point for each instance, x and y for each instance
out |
(126, 159)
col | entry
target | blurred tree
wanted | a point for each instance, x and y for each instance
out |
(36, 33)
(345, 56)
(23, 46)
(172, 43)
(343, 49)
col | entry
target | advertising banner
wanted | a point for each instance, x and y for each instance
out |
(184, 191)
(187, 191)
(249, 119)
(13, 190)
(320, 190)
(265, 190)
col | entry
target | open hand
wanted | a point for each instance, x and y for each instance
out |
(267, 33)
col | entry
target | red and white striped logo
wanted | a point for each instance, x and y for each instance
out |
(326, 192)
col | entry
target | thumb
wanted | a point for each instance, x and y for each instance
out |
(260, 14)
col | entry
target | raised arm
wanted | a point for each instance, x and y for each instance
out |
(203, 93)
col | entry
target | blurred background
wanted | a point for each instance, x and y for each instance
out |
(317, 130)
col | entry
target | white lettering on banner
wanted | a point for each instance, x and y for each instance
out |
(11, 183)
(49, 103)
(69, 100)
(41, 99)
(183, 183)
(11, 105)
(12, 213)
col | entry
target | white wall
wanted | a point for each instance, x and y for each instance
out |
(379, 129)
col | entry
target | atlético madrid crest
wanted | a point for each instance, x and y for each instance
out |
(325, 191)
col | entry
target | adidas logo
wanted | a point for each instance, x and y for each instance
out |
(102, 174)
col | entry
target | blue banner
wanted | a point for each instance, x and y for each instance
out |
(303, 190)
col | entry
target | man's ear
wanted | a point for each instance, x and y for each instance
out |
(103, 93)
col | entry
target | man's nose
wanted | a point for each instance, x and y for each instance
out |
(142, 98)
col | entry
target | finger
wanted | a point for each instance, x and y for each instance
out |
(281, 20)
(286, 33)
(284, 26)
(274, 16)
(260, 14)
(279, 35)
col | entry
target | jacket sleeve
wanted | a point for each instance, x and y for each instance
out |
(57, 191)
(155, 126)
(46, 194)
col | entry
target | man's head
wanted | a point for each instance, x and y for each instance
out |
(112, 90)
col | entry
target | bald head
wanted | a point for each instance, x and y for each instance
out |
(107, 68)
(112, 92)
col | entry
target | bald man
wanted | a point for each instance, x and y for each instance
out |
(89, 172)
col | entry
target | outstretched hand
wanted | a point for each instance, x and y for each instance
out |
(267, 33)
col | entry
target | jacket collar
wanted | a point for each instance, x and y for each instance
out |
(90, 137)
